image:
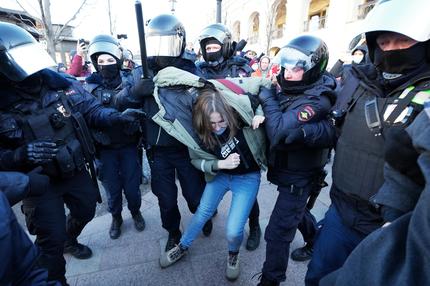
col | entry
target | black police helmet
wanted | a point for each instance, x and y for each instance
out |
(306, 52)
(165, 37)
(20, 54)
(220, 33)
(105, 44)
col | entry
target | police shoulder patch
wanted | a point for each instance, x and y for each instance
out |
(70, 92)
(306, 113)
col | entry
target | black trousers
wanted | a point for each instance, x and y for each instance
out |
(45, 218)
(165, 163)
(289, 212)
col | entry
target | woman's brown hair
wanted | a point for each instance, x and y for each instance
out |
(208, 102)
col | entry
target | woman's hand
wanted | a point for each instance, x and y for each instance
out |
(231, 162)
(257, 120)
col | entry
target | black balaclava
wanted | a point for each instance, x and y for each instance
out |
(400, 61)
(292, 87)
(399, 66)
(214, 58)
(110, 75)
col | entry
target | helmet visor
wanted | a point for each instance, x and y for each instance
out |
(211, 32)
(25, 60)
(164, 46)
(105, 48)
(291, 58)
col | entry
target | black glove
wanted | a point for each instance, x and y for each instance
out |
(38, 182)
(36, 152)
(131, 119)
(265, 94)
(296, 135)
(401, 155)
(143, 88)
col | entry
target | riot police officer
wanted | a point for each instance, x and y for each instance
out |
(119, 168)
(165, 45)
(217, 49)
(374, 100)
(299, 134)
(43, 120)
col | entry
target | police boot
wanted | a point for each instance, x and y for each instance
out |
(303, 253)
(115, 228)
(139, 222)
(266, 282)
(173, 240)
(254, 237)
(77, 249)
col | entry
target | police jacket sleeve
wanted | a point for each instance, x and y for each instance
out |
(321, 134)
(398, 195)
(280, 125)
(132, 96)
(94, 113)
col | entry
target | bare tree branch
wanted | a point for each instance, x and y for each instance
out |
(57, 35)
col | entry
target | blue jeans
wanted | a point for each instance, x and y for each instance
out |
(244, 190)
(120, 170)
(333, 244)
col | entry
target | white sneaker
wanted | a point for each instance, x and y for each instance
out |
(233, 267)
(170, 257)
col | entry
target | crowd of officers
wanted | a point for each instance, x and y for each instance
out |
(58, 136)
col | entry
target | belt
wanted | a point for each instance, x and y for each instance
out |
(295, 190)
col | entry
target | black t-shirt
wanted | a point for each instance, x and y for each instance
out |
(235, 145)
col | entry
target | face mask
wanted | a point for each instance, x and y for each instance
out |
(215, 56)
(357, 58)
(400, 61)
(220, 131)
(109, 72)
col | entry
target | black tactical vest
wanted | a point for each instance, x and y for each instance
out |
(113, 136)
(359, 160)
(54, 123)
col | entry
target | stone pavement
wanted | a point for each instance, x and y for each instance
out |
(133, 258)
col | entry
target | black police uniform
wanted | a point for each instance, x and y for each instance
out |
(168, 156)
(232, 67)
(369, 107)
(119, 167)
(54, 114)
(296, 168)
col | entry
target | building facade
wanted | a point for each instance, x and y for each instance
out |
(269, 24)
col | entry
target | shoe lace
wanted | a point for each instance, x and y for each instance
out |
(232, 259)
(175, 253)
